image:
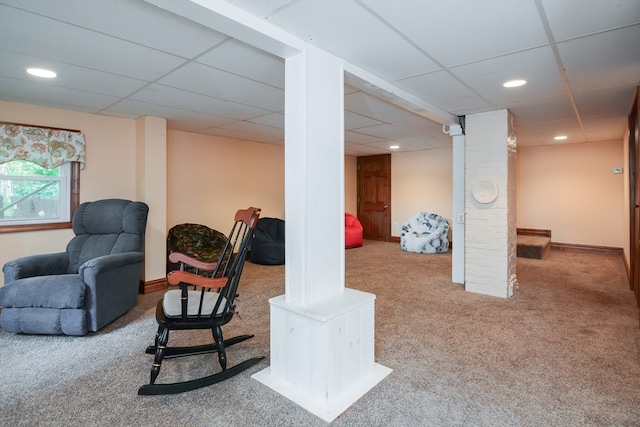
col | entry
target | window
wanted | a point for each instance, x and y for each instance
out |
(36, 198)
(39, 176)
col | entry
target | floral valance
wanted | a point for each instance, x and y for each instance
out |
(47, 147)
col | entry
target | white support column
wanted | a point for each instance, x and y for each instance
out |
(322, 335)
(314, 176)
(490, 233)
(457, 258)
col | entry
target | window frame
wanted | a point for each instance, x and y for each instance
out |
(74, 201)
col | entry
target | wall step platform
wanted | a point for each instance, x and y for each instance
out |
(533, 243)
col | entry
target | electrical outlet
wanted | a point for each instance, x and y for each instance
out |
(395, 225)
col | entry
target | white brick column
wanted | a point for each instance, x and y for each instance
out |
(490, 204)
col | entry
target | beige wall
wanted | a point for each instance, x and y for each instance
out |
(209, 178)
(351, 185)
(421, 181)
(571, 190)
(151, 186)
(109, 170)
(261, 183)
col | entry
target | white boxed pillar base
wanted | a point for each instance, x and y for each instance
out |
(322, 354)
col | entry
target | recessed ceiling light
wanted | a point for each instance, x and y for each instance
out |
(394, 147)
(515, 83)
(560, 137)
(41, 72)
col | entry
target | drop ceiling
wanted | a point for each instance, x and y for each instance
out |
(134, 58)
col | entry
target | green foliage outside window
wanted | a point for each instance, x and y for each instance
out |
(26, 192)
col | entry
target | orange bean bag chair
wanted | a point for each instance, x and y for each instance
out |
(352, 231)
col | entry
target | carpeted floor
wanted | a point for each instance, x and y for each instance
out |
(564, 351)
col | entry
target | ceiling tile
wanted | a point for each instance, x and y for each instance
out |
(544, 109)
(229, 133)
(609, 101)
(246, 61)
(575, 18)
(470, 26)
(537, 66)
(426, 128)
(605, 128)
(373, 108)
(355, 121)
(355, 34)
(129, 59)
(255, 129)
(52, 96)
(202, 79)
(364, 150)
(187, 125)
(129, 106)
(419, 124)
(132, 20)
(14, 66)
(388, 132)
(425, 142)
(542, 133)
(442, 89)
(260, 7)
(177, 98)
(359, 138)
(602, 60)
(275, 120)
(60, 41)
(407, 147)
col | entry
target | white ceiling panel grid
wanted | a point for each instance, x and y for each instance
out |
(130, 58)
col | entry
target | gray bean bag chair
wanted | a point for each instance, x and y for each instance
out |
(425, 233)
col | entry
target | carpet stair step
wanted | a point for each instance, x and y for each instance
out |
(532, 246)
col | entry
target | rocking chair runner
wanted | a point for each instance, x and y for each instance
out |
(209, 304)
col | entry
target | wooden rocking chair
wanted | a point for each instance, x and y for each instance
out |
(203, 303)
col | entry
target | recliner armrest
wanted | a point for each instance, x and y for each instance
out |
(96, 266)
(35, 265)
(112, 283)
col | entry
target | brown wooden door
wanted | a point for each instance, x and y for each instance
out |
(374, 196)
(634, 184)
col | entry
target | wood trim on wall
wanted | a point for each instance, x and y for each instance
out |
(533, 232)
(555, 245)
(627, 268)
(153, 286)
(592, 248)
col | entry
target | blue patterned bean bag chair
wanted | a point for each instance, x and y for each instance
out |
(425, 233)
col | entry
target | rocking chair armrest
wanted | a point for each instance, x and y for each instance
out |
(176, 277)
(179, 257)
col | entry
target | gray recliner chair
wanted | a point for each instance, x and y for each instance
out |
(95, 281)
